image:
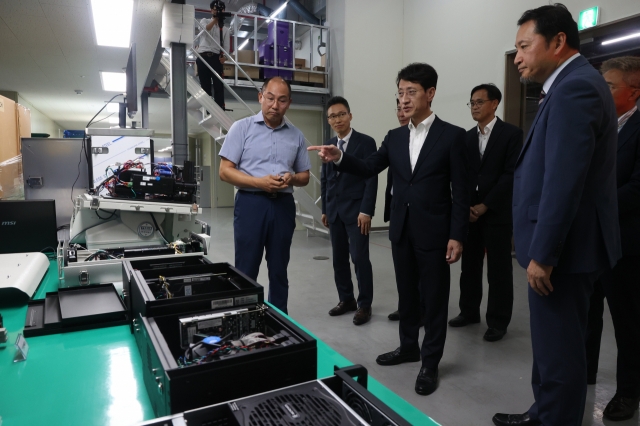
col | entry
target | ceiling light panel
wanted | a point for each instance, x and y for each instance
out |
(112, 22)
(113, 81)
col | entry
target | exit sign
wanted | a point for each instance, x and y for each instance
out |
(588, 18)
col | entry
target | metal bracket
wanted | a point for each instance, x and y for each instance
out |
(35, 182)
(95, 203)
(205, 227)
(143, 150)
(83, 278)
(137, 207)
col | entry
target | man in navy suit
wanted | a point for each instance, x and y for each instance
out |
(429, 216)
(621, 285)
(348, 203)
(492, 149)
(565, 209)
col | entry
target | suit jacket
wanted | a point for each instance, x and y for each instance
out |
(434, 195)
(388, 197)
(628, 180)
(345, 194)
(565, 207)
(493, 174)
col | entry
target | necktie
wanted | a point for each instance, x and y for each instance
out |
(542, 95)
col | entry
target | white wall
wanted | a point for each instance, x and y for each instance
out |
(466, 42)
(366, 54)
(40, 123)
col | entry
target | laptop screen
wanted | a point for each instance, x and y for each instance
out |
(28, 226)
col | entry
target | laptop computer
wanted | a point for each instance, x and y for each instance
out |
(28, 226)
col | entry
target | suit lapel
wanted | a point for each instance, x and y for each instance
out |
(352, 146)
(437, 127)
(403, 147)
(629, 129)
(495, 134)
(573, 65)
(332, 172)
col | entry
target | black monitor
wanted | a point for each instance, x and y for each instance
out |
(132, 86)
(130, 108)
(28, 226)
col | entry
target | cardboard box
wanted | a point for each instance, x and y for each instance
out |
(246, 56)
(9, 136)
(323, 61)
(301, 76)
(11, 183)
(300, 63)
(252, 72)
(24, 121)
(228, 70)
(317, 78)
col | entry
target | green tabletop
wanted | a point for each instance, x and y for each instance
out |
(94, 377)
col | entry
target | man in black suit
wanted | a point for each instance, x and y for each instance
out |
(348, 203)
(621, 285)
(492, 149)
(388, 193)
(565, 209)
(429, 216)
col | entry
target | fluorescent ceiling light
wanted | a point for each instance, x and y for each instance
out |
(169, 148)
(278, 10)
(243, 44)
(616, 40)
(113, 81)
(112, 22)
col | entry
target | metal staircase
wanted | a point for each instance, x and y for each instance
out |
(217, 123)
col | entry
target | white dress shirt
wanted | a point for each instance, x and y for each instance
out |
(417, 136)
(204, 42)
(549, 81)
(484, 138)
(345, 139)
(622, 120)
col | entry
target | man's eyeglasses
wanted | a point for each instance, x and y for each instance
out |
(270, 99)
(411, 93)
(339, 115)
(478, 103)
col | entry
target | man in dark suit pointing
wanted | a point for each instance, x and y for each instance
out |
(565, 209)
(429, 216)
(492, 149)
(348, 203)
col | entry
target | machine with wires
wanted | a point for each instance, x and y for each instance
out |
(105, 230)
(206, 357)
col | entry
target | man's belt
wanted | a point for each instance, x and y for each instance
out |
(209, 54)
(268, 194)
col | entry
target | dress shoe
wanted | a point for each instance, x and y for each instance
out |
(493, 334)
(394, 316)
(427, 381)
(363, 315)
(398, 357)
(461, 321)
(513, 420)
(621, 408)
(343, 308)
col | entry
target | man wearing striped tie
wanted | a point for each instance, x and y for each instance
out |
(348, 203)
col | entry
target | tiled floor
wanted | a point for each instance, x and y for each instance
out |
(478, 378)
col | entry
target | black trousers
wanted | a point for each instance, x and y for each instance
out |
(621, 287)
(496, 239)
(346, 239)
(206, 77)
(423, 279)
(264, 226)
(558, 328)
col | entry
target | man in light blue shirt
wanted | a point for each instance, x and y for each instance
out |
(265, 157)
